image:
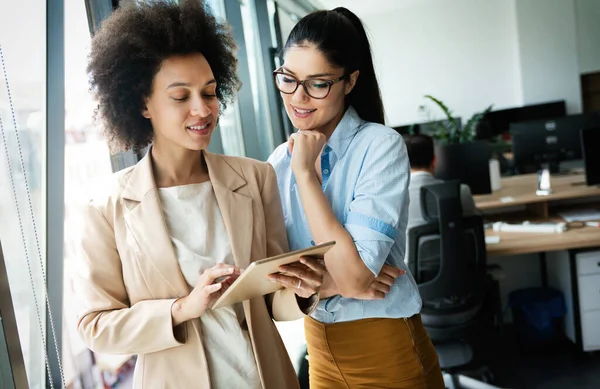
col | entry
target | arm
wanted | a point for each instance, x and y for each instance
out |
(376, 291)
(366, 238)
(343, 261)
(283, 304)
(107, 323)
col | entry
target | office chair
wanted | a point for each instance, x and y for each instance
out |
(447, 257)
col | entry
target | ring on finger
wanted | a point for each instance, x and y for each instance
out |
(299, 284)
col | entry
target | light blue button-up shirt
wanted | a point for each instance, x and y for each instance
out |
(366, 173)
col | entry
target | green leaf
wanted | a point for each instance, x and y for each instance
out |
(468, 133)
(449, 130)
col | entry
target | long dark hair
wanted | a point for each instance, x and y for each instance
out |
(340, 36)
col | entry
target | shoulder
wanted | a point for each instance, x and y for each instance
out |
(376, 143)
(241, 162)
(104, 196)
(249, 168)
(418, 180)
(110, 189)
(379, 139)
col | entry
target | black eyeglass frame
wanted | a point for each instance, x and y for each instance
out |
(330, 83)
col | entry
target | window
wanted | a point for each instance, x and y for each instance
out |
(87, 163)
(22, 163)
(229, 131)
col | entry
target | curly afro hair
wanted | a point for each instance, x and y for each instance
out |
(127, 52)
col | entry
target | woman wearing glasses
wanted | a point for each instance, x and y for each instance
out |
(344, 176)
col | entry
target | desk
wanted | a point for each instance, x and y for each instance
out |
(513, 243)
(520, 190)
(572, 266)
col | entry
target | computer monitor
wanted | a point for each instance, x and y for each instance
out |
(468, 162)
(550, 142)
(590, 139)
(408, 129)
(498, 122)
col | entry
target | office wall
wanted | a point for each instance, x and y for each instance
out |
(464, 52)
(588, 35)
(547, 40)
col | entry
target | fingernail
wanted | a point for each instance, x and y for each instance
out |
(230, 270)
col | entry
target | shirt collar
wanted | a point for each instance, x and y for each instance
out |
(344, 132)
(420, 173)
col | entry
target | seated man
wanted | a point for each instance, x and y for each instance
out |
(422, 165)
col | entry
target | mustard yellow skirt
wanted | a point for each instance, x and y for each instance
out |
(372, 353)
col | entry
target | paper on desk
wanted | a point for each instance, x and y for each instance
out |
(492, 239)
(581, 215)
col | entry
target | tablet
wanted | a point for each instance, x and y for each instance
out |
(254, 281)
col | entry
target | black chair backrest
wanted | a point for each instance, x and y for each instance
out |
(462, 252)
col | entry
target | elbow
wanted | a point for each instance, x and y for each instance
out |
(354, 280)
(88, 334)
(92, 336)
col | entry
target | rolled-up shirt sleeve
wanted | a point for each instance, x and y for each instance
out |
(378, 204)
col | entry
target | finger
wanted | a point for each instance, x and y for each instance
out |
(385, 279)
(296, 266)
(212, 288)
(298, 286)
(315, 264)
(376, 295)
(380, 287)
(391, 271)
(213, 273)
(228, 280)
(305, 289)
(306, 275)
(285, 280)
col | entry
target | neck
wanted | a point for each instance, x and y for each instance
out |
(423, 170)
(178, 166)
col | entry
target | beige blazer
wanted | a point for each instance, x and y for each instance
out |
(128, 276)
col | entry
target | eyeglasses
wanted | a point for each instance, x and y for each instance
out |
(316, 88)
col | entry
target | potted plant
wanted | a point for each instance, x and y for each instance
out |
(451, 130)
(458, 154)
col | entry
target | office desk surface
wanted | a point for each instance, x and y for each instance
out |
(513, 243)
(520, 190)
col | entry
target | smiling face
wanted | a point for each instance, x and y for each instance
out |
(183, 106)
(305, 112)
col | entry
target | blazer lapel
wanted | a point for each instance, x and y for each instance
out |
(236, 208)
(145, 219)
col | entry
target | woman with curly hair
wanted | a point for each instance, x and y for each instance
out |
(164, 240)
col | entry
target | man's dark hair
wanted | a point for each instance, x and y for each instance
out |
(420, 150)
(128, 50)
